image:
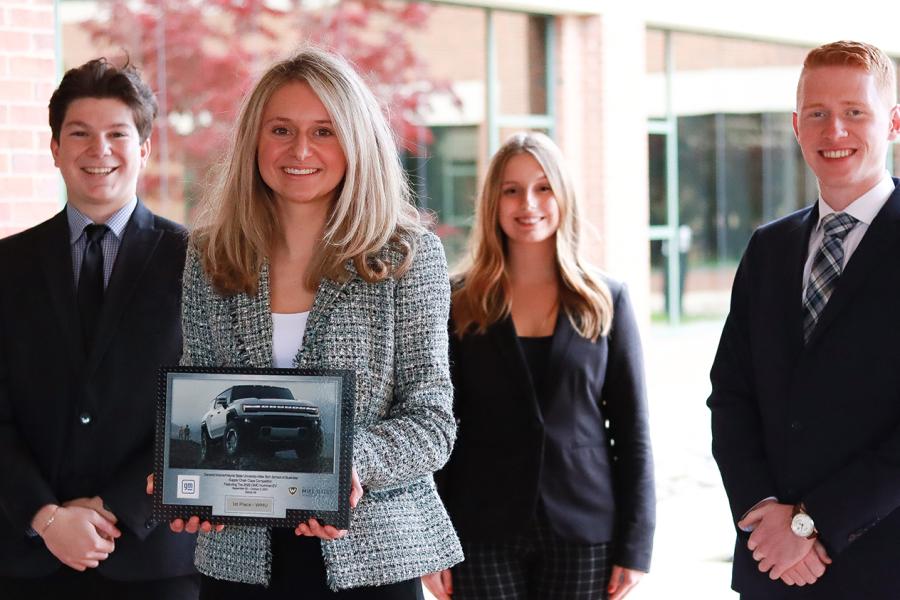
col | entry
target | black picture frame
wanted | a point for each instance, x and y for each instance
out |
(270, 447)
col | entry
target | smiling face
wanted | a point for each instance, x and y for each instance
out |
(100, 155)
(528, 211)
(843, 124)
(298, 153)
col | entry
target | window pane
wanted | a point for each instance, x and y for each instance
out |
(738, 163)
(657, 169)
(446, 184)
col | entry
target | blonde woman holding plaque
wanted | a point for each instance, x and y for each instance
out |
(311, 255)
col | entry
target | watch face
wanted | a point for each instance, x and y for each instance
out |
(802, 525)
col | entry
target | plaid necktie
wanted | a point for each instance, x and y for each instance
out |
(826, 268)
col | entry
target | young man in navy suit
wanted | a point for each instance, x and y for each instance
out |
(89, 309)
(805, 385)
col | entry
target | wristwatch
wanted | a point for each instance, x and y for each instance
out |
(802, 524)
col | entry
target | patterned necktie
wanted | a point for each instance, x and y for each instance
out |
(826, 268)
(90, 283)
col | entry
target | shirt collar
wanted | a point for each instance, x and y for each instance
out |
(866, 207)
(116, 223)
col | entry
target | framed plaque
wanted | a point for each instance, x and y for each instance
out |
(254, 446)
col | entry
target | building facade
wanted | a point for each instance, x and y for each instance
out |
(676, 121)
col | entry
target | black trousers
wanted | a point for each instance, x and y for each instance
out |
(537, 564)
(298, 573)
(68, 584)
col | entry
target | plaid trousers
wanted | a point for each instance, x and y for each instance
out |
(535, 565)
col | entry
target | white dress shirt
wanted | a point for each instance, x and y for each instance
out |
(863, 209)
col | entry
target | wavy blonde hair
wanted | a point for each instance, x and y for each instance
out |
(373, 209)
(481, 294)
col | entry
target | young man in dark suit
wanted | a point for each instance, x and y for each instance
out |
(805, 388)
(89, 308)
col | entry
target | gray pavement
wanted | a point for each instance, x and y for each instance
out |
(694, 535)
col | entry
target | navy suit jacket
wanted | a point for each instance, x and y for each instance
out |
(820, 422)
(510, 453)
(48, 388)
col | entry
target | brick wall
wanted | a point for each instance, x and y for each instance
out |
(603, 133)
(29, 185)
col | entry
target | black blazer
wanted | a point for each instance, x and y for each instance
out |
(510, 454)
(48, 387)
(818, 423)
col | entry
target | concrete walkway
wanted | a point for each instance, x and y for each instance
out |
(694, 534)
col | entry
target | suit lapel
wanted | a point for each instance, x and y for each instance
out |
(881, 235)
(251, 317)
(795, 255)
(326, 299)
(139, 241)
(56, 266)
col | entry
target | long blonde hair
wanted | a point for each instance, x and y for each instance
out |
(481, 294)
(373, 209)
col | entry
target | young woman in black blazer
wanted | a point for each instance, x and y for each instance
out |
(550, 484)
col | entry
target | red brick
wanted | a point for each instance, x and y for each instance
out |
(16, 91)
(32, 18)
(46, 187)
(16, 139)
(16, 187)
(43, 137)
(6, 210)
(32, 213)
(3, 112)
(4, 165)
(14, 40)
(43, 91)
(32, 68)
(44, 42)
(28, 115)
(32, 163)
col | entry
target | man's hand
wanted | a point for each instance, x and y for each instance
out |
(440, 584)
(622, 581)
(774, 545)
(79, 537)
(810, 569)
(95, 503)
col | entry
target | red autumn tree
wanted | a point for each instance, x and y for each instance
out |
(202, 58)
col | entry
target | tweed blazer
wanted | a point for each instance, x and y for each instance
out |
(393, 335)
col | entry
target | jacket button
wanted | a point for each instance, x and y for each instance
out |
(85, 418)
(796, 425)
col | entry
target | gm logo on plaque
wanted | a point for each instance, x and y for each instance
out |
(188, 486)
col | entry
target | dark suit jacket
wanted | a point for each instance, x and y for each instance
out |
(818, 423)
(510, 454)
(48, 387)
